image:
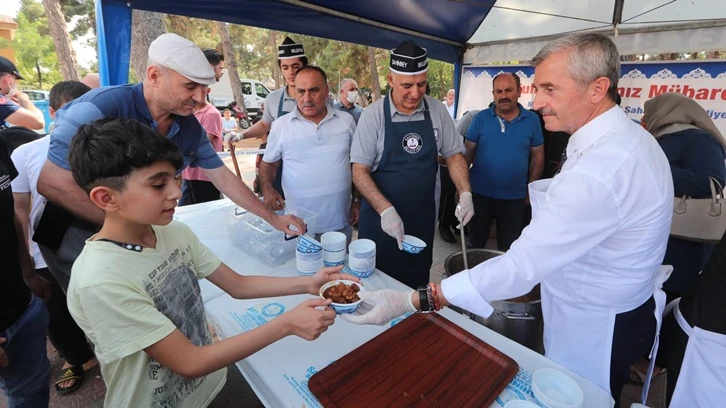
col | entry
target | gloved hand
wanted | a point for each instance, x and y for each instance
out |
(381, 306)
(392, 225)
(465, 208)
(232, 137)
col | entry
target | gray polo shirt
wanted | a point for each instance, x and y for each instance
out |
(367, 147)
(272, 104)
(354, 110)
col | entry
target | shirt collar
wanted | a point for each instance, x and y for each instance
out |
(595, 129)
(331, 113)
(394, 110)
(285, 96)
(137, 91)
(520, 116)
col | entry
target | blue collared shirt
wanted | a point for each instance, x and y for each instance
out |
(127, 101)
(501, 164)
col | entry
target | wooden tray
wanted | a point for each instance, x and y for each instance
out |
(423, 361)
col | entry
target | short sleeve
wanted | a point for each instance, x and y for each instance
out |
(212, 123)
(7, 107)
(473, 133)
(267, 113)
(20, 184)
(363, 149)
(205, 261)
(206, 156)
(273, 150)
(67, 122)
(122, 319)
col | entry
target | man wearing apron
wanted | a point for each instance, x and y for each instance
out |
(290, 58)
(599, 228)
(394, 156)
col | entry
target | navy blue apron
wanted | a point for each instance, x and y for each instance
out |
(406, 176)
(277, 183)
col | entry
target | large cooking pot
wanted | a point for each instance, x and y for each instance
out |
(519, 319)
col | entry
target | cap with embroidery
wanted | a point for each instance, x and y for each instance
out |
(409, 59)
(7, 66)
(183, 56)
(290, 49)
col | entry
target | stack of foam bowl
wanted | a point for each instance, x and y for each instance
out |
(362, 258)
(554, 389)
(308, 255)
(333, 248)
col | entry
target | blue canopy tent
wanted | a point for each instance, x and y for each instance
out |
(442, 27)
(471, 32)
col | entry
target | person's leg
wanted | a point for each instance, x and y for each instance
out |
(508, 215)
(64, 333)
(481, 222)
(25, 380)
(633, 337)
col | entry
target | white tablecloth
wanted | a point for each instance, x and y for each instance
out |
(279, 373)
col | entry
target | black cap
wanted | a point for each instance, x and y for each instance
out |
(409, 59)
(7, 66)
(290, 49)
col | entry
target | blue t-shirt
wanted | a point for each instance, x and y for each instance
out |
(7, 108)
(501, 165)
(127, 101)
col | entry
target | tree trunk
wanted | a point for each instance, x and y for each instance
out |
(230, 61)
(40, 75)
(146, 26)
(276, 74)
(374, 74)
(61, 40)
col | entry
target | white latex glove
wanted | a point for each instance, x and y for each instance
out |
(381, 306)
(392, 225)
(231, 137)
(465, 208)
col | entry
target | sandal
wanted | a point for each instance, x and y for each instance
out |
(71, 373)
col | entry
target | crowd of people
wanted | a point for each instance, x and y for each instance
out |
(95, 261)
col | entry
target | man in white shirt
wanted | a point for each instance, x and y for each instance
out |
(450, 99)
(314, 142)
(598, 232)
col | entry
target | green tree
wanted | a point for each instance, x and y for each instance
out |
(33, 46)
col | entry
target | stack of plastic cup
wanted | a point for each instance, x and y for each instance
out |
(333, 248)
(308, 255)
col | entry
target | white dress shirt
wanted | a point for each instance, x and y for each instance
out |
(316, 173)
(599, 237)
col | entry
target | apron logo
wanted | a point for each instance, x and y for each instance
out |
(436, 135)
(412, 143)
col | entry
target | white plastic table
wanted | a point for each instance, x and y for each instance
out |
(279, 373)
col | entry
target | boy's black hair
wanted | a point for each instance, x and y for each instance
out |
(66, 91)
(106, 152)
(214, 57)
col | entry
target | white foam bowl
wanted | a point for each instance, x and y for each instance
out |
(342, 307)
(413, 245)
(554, 389)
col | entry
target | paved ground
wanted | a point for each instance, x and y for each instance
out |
(237, 392)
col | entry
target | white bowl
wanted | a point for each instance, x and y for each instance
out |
(333, 241)
(362, 248)
(342, 307)
(554, 389)
(308, 244)
(520, 404)
(412, 244)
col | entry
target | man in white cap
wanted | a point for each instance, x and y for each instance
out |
(394, 156)
(175, 84)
